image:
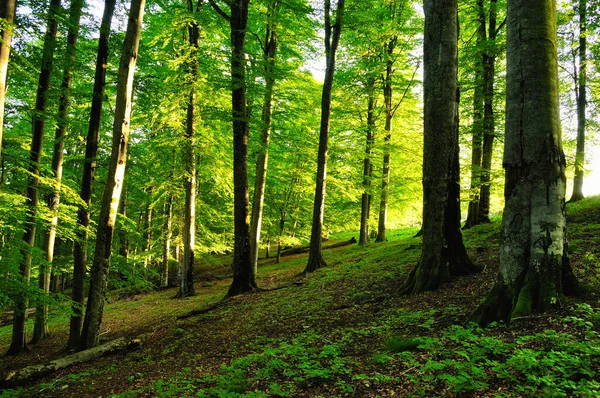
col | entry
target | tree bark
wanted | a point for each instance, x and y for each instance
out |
(332, 38)
(40, 330)
(270, 51)
(365, 211)
(581, 105)
(7, 12)
(114, 182)
(19, 332)
(244, 277)
(443, 252)
(87, 179)
(167, 234)
(534, 266)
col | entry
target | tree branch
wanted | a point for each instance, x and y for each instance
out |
(219, 10)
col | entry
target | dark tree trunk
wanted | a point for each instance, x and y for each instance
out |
(87, 179)
(40, 330)
(387, 142)
(581, 105)
(244, 277)
(114, 182)
(332, 38)
(534, 265)
(7, 12)
(19, 332)
(443, 253)
(167, 234)
(270, 51)
(365, 211)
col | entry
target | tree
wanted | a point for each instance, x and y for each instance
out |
(332, 38)
(443, 252)
(19, 333)
(87, 179)
(581, 104)
(366, 197)
(114, 182)
(7, 13)
(40, 330)
(534, 265)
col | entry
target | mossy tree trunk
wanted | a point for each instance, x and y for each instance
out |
(581, 105)
(332, 37)
(114, 182)
(19, 331)
(534, 267)
(87, 179)
(443, 252)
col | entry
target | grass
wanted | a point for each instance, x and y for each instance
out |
(344, 331)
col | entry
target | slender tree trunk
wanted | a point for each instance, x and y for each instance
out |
(387, 142)
(581, 105)
(477, 127)
(19, 333)
(332, 37)
(186, 287)
(7, 12)
(365, 212)
(147, 232)
(534, 265)
(244, 277)
(87, 179)
(123, 238)
(270, 49)
(40, 330)
(167, 232)
(489, 125)
(443, 253)
(114, 182)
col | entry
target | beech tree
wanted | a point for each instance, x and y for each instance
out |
(7, 14)
(443, 252)
(115, 179)
(534, 265)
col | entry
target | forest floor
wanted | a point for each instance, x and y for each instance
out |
(342, 331)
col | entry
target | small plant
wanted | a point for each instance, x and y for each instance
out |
(401, 344)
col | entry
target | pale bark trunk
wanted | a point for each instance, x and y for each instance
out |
(19, 333)
(443, 252)
(581, 105)
(40, 330)
(332, 37)
(534, 266)
(270, 50)
(365, 212)
(114, 182)
(7, 12)
(87, 179)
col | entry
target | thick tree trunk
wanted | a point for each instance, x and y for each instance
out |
(7, 12)
(19, 333)
(332, 37)
(40, 330)
(365, 211)
(244, 277)
(581, 105)
(387, 142)
(114, 182)
(534, 267)
(270, 50)
(443, 253)
(87, 179)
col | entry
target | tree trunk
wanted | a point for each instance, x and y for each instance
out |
(244, 277)
(489, 125)
(534, 266)
(443, 253)
(167, 233)
(332, 37)
(147, 231)
(365, 211)
(387, 142)
(477, 127)
(19, 332)
(7, 12)
(581, 104)
(87, 179)
(40, 330)
(114, 182)
(270, 50)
